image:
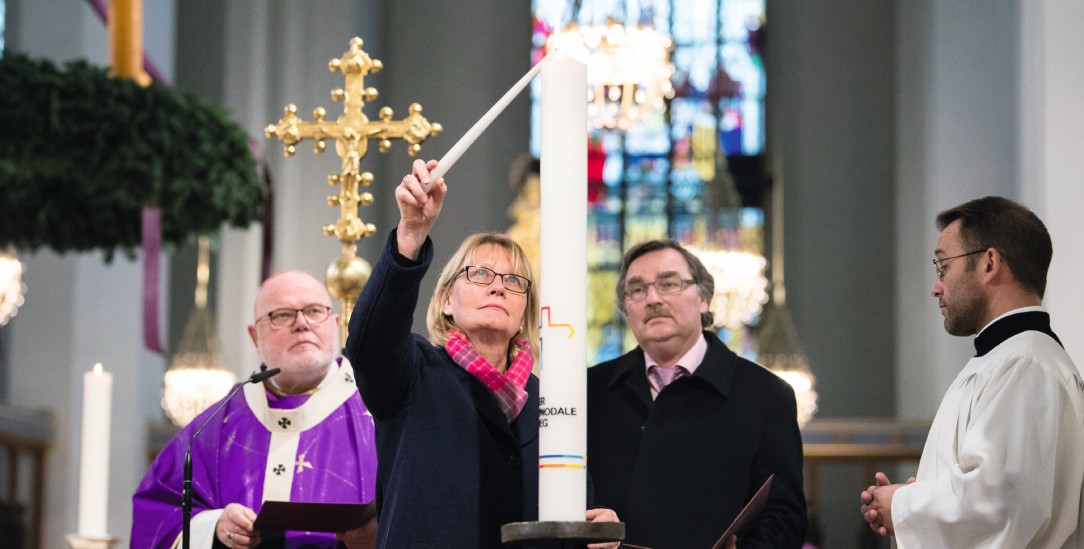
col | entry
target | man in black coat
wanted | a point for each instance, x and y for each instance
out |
(681, 431)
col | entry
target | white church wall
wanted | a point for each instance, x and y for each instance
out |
(831, 119)
(44, 376)
(957, 140)
(1052, 166)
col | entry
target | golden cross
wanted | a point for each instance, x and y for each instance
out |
(347, 274)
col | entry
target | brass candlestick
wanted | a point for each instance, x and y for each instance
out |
(347, 274)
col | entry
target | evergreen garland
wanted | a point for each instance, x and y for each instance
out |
(81, 155)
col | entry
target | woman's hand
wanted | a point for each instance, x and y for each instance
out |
(418, 209)
(602, 515)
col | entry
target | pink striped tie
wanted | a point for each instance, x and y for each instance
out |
(664, 376)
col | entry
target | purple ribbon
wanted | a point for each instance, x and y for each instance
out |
(152, 247)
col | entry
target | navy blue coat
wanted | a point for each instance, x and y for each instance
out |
(451, 469)
(679, 469)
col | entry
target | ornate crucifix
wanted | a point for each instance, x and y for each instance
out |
(348, 273)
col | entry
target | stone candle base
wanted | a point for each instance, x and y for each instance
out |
(561, 534)
(76, 541)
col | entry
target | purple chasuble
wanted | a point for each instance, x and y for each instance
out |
(335, 460)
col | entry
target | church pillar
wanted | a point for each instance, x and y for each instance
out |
(1051, 138)
(956, 140)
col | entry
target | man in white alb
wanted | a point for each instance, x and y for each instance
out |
(1003, 464)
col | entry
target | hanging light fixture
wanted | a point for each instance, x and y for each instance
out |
(778, 345)
(780, 351)
(196, 378)
(628, 69)
(740, 285)
(11, 285)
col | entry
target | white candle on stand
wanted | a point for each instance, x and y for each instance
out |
(563, 390)
(94, 454)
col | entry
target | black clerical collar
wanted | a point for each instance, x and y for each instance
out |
(1006, 327)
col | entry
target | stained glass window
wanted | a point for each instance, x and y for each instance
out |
(661, 177)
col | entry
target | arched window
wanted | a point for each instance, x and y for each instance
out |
(662, 178)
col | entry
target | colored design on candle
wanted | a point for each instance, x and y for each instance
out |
(566, 461)
(551, 324)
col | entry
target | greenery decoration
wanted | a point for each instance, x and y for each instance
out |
(82, 153)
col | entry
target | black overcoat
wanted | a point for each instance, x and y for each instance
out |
(451, 470)
(679, 469)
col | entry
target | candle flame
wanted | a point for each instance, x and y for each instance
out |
(98, 369)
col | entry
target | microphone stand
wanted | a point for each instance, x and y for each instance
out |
(186, 491)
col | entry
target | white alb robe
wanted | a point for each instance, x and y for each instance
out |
(1003, 465)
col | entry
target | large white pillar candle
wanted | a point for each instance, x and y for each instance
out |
(563, 392)
(94, 454)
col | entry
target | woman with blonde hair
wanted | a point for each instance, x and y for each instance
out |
(456, 414)
(441, 324)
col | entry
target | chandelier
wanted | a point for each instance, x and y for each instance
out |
(196, 378)
(779, 350)
(740, 285)
(778, 345)
(11, 285)
(628, 69)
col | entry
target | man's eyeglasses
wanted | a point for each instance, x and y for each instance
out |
(939, 264)
(282, 318)
(483, 276)
(665, 286)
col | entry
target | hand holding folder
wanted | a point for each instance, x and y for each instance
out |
(313, 517)
(741, 522)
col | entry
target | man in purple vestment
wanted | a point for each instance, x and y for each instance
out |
(303, 435)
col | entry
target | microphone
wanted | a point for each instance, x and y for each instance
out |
(186, 491)
(259, 377)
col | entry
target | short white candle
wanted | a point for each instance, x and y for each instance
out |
(94, 455)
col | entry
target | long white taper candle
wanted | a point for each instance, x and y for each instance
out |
(94, 452)
(563, 393)
(457, 150)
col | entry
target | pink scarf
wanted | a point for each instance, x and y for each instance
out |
(509, 387)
